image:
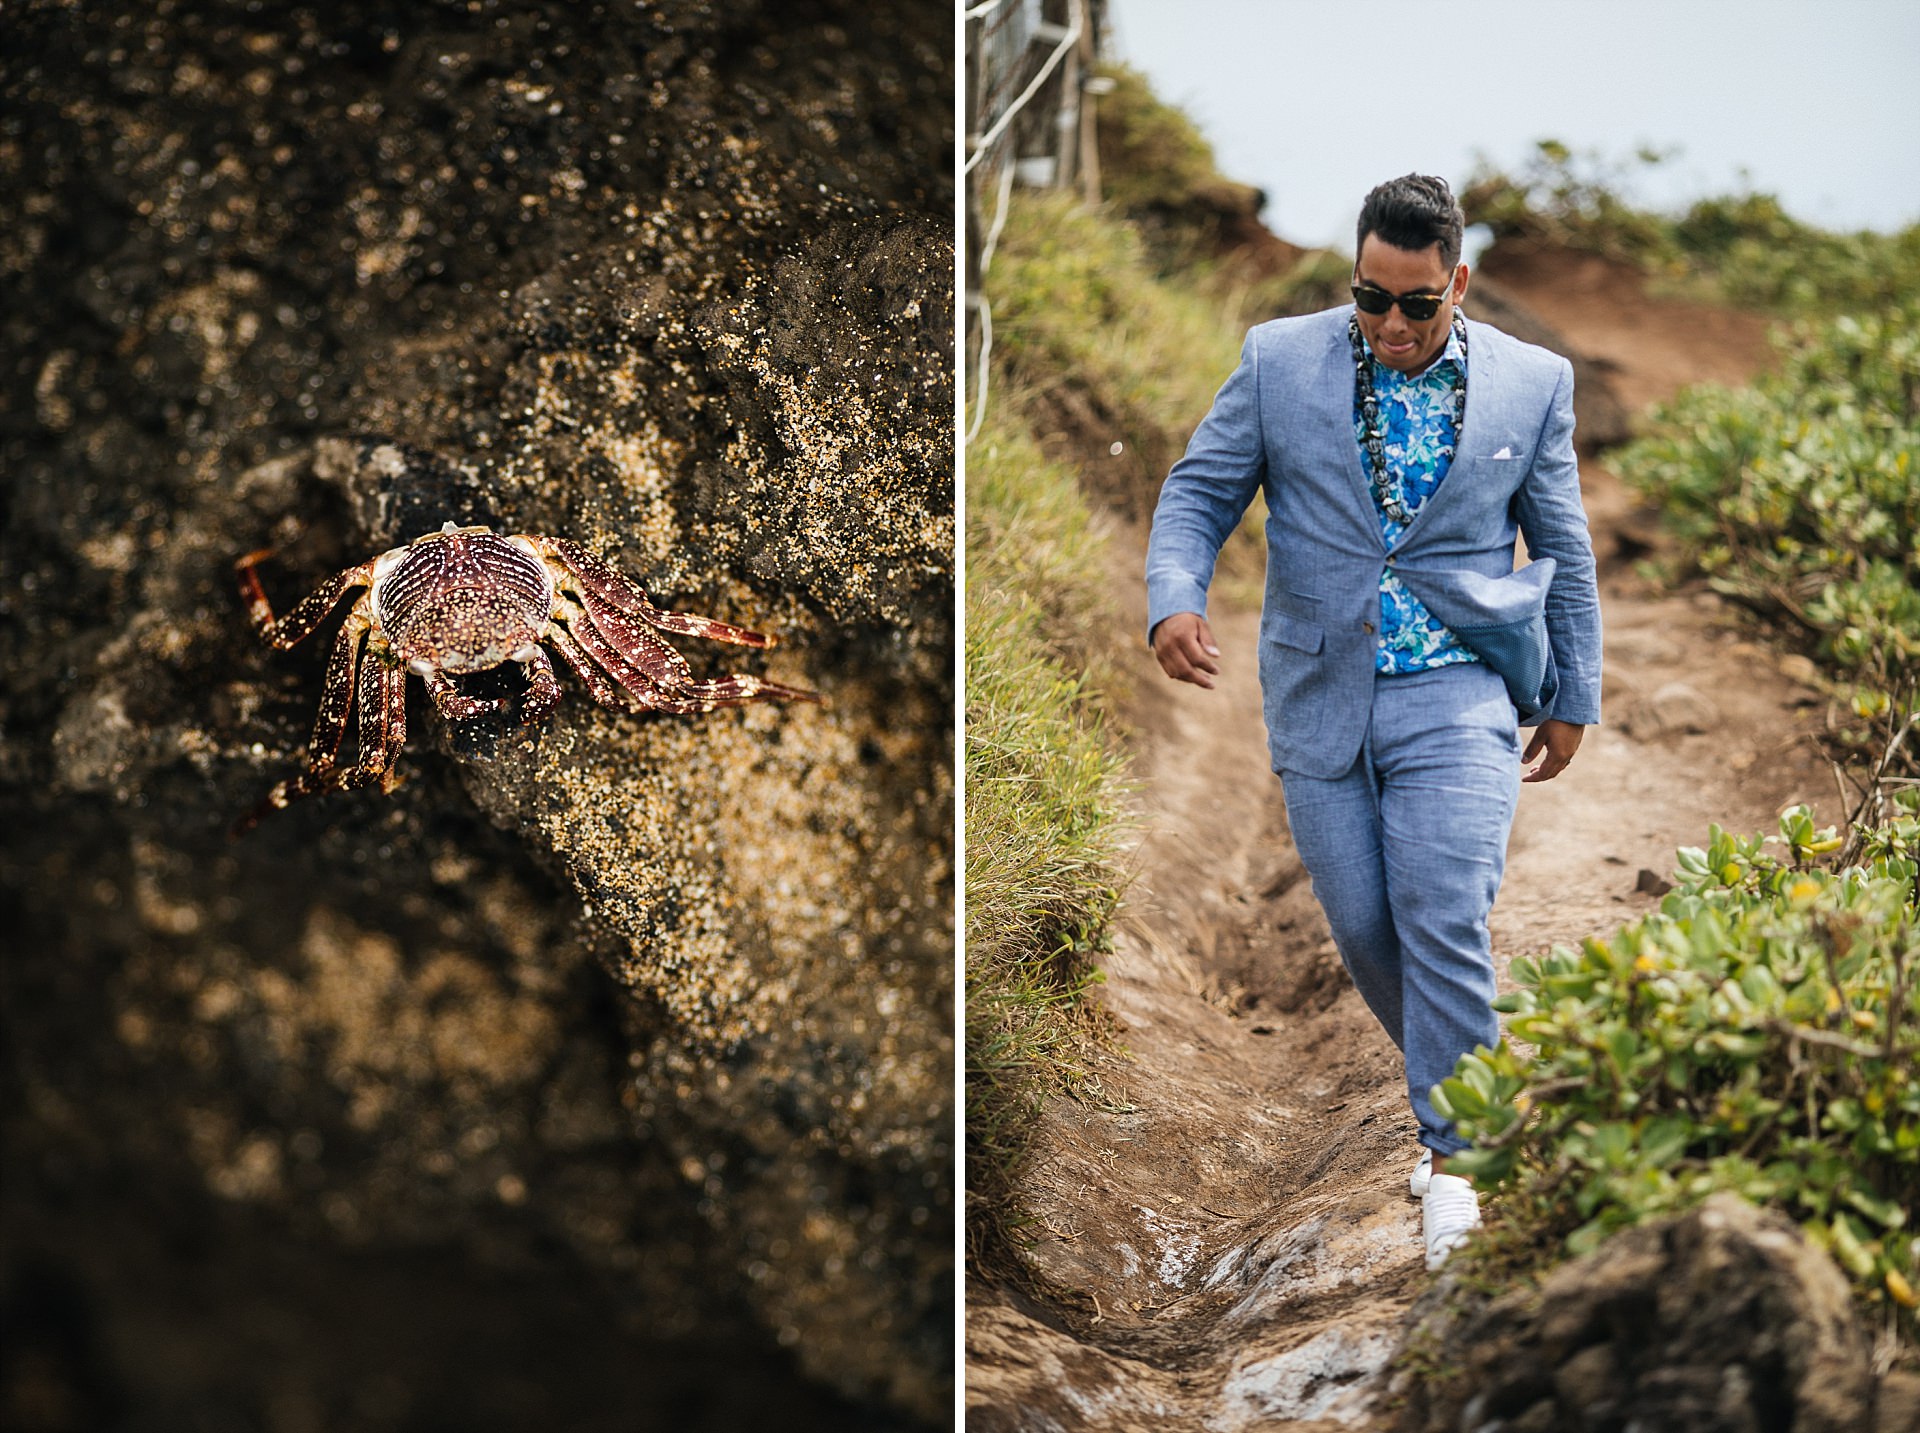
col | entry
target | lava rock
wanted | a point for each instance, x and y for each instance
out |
(1721, 1320)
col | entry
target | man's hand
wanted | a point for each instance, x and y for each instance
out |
(1184, 645)
(1558, 739)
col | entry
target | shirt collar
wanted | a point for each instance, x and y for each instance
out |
(1452, 353)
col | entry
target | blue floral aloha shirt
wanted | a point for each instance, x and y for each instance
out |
(1419, 443)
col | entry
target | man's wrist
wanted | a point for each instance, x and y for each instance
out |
(1153, 632)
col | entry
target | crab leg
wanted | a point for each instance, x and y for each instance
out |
(307, 614)
(454, 704)
(543, 689)
(329, 728)
(643, 690)
(683, 696)
(382, 732)
(383, 725)
(664, 667)
(668, 671)
(595, 680)
(733, 692)
(614, 588)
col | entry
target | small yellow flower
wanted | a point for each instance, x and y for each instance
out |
(1803, 891)
(1869, 704)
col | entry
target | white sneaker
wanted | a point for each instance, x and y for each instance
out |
(1449, 1212)
(1422, 1173)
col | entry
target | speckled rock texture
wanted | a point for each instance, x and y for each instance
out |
(599, 1076)
(1623, 1339)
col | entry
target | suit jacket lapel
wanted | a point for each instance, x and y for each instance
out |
(1483, 361)
(1335, 387)
(1481, 364)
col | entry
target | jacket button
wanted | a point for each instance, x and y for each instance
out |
(1369, 627)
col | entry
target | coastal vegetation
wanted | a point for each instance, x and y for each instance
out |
(1758, 1032)
(1743, 249)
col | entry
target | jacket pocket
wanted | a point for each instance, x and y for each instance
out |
(1297, 633)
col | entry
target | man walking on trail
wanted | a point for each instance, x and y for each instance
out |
(1399, 448)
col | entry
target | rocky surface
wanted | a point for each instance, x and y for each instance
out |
(600, 1075)
(1619, 1339)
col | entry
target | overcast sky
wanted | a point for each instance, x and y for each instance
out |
(1315, 101)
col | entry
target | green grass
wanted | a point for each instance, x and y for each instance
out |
(1092, 340)
(1077, 300)
(1152, 155)
(1044, 791)
(1080, 307)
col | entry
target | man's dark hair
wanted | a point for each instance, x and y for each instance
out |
(1413, 212)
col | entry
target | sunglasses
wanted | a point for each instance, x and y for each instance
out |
(1372, 299)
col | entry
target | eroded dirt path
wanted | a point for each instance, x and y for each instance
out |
(1229, 1244)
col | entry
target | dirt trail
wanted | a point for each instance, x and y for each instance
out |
(1231, 1245)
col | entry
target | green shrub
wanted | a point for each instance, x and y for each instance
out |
(1757, 1034)
(1561, 197)
(1800, 496)
(1756, 255)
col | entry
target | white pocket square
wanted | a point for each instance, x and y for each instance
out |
(1504, 453)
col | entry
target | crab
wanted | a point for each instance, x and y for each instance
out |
(466, 599)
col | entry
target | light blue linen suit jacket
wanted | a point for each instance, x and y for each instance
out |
(1283, 424)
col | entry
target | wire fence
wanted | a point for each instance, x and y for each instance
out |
(1028, 121)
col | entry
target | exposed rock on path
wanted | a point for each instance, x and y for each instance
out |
(1617, 1339)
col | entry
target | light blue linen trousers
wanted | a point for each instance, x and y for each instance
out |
(1406, 849)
